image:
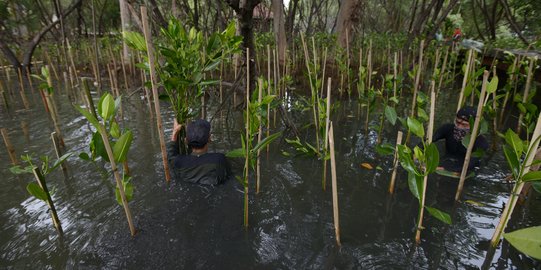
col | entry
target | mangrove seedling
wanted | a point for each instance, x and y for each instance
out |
(40, 190)
(113, 150)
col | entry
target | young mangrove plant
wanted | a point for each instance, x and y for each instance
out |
(188, 58)
(254, 117)
(40, 190)
(427, 157)
(520, 158)
(112, 144)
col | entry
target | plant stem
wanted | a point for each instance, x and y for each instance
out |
(395, 162)
(41, 181)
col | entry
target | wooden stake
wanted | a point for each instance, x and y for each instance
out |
(443, 67)
(417, 80)
(506, 98)
(429, 132)
(473, 136)
(59, 153)
(53, 112)
(247, 143)
(526, 92)
(123, 63)
(465, 80)
(259, 135)
(395, 162)
(334, 187)
(9, 147)
(21, 87)
(88, 99)
(395, 73)
(153, 80)
(325, 143)
(268, 92)
(41, 182)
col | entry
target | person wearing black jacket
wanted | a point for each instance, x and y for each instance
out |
(453, 133)
(199, 166)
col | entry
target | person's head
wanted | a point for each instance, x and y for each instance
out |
(462, 120)
(198, 133)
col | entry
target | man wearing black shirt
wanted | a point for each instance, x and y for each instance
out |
(199, 166)
(453, 135)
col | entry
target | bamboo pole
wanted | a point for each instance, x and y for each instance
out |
(122, 62)
(417, 80)
(465, 80)
(259, 135)
(88, 99)
(4, 98)
(395, 73)
(526, 92)
(95, 44)
(323, 74)
(53, 67)
(153, 80)
(430, 130)
(369, 65)
(21, 88)
(473, 136)
(53, 112)
(334, 188)
(517, 189)
(41, 182)
(313, 91)
(9, 147)
(30, 83)
(247, 143)
(443, 67)
(506, 98)
(395, 162)
(26, 132)
(268, 92)
(326, 141)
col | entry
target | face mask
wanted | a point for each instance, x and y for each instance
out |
(460, 133)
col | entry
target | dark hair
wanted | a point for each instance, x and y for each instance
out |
(466, 112)
(198, 133)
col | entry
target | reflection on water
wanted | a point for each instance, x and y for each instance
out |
(291, 224)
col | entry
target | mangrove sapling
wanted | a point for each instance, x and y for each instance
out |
(514, 150)
(40, 190)
(525, 96)
(253, 114)
(46, 86)
(312, 69)
(113, 152)
(427, 162)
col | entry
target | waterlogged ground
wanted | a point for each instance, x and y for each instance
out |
(291, 226)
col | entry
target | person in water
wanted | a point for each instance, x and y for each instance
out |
(453, 133)
(199, 166)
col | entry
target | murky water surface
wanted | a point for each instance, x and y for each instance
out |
(291, 223)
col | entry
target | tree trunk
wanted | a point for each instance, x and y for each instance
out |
(279, 29)
(293, 5)
(344, 20)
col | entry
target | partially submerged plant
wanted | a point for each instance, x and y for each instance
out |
(113, 150)
(40, 189)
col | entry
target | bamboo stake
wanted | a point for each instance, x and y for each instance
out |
(429, 132)
(526, 92)
(53, 112)
(517, 189)
(395, 73)
(30, 83)
(465, 80)
(21, 87)
(259, 135)
(122, 62)
(268, 92)
(417, 80)
(325, 143)
(506, 98)
(313, 91)
(59, 153)
(247, 143)
(53, 67)
(41, 181)
(323, 74)
(9, 147)
(473, 136)
(153, 80)
(88, 99)
(26, 132)
(4, 98)
(369, 65)
(95, 44)
(395, 162)
(334, 188)
(443, 67)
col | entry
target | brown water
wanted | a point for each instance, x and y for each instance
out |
(291, 226)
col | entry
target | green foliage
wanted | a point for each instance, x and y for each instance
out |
(36, 191)
(526, 241)
(128, 190)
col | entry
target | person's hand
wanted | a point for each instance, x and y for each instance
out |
(176, 130)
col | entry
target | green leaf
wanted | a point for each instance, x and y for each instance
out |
(135, 40)
(84, 156)
(390, 114)
(532, 176)
(416, 127)
(128, 192)
(432, 156)
(106, 107)
(122, 145)
(415, 184)
(404, 155)
(36, 191)
(527, 241)
(239, 152)
(58, 162)
(385, 149)
(97, 147)
(537, 186)
(266, 141)
(514, 141)
(19, 170)
(512, 160)
(88, 116)
(115, 130)
(442, 216)
(492, 85)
